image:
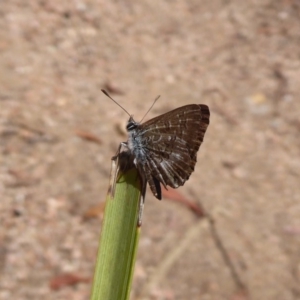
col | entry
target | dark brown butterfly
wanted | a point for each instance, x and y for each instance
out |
(165, 148)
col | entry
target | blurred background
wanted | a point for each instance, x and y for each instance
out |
(58, 133)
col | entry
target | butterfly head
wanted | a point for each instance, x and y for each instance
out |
(131, 124)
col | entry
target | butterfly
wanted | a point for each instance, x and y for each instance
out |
(164, 149)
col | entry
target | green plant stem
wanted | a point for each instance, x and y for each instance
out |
(118, 241)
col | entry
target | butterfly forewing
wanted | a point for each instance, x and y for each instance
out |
(167, 145)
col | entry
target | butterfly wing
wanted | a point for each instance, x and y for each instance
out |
(170, 143)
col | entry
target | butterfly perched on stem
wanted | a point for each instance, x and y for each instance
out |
(164, 149)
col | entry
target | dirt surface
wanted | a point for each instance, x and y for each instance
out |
(242, 58)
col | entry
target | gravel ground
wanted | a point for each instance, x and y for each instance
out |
(242, 58)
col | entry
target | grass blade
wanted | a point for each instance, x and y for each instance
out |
(118, 240)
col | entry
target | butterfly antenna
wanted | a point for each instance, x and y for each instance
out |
(106, 94)
(150, 108)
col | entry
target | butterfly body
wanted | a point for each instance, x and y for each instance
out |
(165, 148)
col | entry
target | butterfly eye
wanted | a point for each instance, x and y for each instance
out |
(131, 125)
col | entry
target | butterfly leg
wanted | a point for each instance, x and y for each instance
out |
(113, 175)
(141, 210)
(115, 169)
(124, 144)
